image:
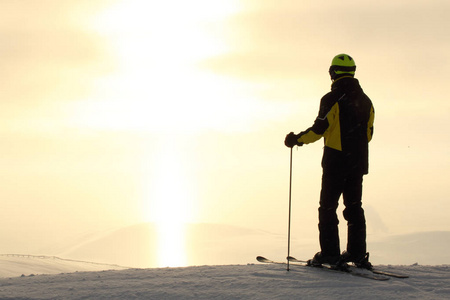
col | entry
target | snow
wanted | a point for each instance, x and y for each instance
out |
(222, 265)
(12, 265)
(250, 281)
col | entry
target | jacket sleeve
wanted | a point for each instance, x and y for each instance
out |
(321, 124)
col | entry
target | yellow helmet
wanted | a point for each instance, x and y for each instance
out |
(342, 65)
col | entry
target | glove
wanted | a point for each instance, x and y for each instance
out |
(292, 140)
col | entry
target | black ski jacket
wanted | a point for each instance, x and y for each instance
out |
(345, 120)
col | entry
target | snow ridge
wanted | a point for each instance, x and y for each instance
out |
(252, 281)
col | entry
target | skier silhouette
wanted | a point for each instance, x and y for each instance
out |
(345, 120)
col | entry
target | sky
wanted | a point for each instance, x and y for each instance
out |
(121, 112)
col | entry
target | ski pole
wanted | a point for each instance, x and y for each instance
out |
(289, 218)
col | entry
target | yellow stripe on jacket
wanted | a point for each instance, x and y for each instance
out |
(332, 134)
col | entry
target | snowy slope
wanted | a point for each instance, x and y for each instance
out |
(76, 278)
(13, 265)
(253, 281)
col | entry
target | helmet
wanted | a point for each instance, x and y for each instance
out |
(342, 65)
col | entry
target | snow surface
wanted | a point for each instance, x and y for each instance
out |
(13, 265)
(251, 281)
(222, 265)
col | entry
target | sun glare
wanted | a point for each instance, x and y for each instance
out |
(157, 85)
(157, 88)
(169, 204)
(163, 34)
(170, 188)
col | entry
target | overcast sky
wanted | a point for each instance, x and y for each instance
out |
(120, 112)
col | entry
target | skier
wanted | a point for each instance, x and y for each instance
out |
(345, 121)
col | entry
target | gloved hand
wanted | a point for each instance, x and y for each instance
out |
(292, 140)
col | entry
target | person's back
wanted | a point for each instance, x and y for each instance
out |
(353, 132)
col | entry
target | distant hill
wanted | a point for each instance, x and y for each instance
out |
(425, 248)
(137, 246)
(214, 244)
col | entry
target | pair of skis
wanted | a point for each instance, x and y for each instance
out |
(369, 274)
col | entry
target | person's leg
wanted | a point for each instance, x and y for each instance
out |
(354, 214)
(332, 187)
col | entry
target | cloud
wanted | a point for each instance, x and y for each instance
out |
(45, 54)
(289, 39)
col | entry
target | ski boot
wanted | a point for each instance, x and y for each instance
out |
(334, 261)
(361, 261)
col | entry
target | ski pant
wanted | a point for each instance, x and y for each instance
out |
(335, 184)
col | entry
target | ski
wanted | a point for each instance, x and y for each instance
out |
(375, 271)
(396, 275)
(352, 271)
(268, 261)
(293, 259)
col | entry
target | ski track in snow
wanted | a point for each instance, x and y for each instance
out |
(253, 281)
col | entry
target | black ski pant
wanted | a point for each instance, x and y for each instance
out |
(334, 184)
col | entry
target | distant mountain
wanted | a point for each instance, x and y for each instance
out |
(202, 244)
(132, 246)
(214, 244)
(425, 248)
